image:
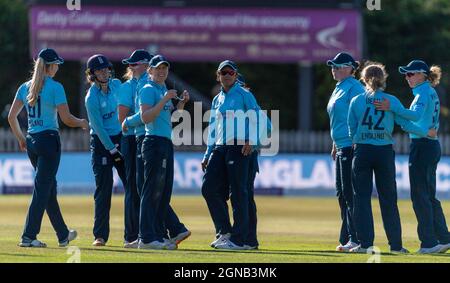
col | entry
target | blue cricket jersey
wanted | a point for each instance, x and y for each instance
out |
(151, 94)
(367, 125)
(424, 110)
(127, 96)
(135, 120)
(226, 123)
(337, 109)
(43, 115)
(102, 112)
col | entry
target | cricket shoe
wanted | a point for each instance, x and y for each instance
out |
(131, 245)
(169, 245)
(72, 236)
(221, 238)
(445, 248)
(433, 250)
(180, 237)
(227, 244)
(155, 245)
(99, 242)
(347, 247)
(28, 243)
(358, 250)
(250, 247)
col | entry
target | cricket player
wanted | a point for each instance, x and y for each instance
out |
(227, 160)
(177, 232)
(371, 132)
(251, 242)
(343, 68)
(157, 151)
(101, 105)
(43, 98)
(136, 72)
(424, 156)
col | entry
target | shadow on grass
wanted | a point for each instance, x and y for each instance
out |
(382, 254)
(20, 255)
(260, 251)
(439, 255)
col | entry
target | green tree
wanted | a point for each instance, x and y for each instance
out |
(410, 29)
(14, 53)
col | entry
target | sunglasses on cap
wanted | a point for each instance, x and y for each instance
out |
(229, 72)
(338, 67)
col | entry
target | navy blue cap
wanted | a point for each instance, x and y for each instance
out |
(415, 66)
(343, 59)
(50, 56)
(241, 79)
(139, 56)
(227, 63)
(158, 60)
(98, 62)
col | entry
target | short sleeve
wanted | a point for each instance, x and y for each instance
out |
(126, 95)
(147, 96)
(60, 95)
(22, 93)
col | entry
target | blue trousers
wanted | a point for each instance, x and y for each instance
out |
(172, 222)
(44, 152)
(157, 153)
(227, 166)
(102, 165)
(132, 199)
(252, 217)
(344, 192)
(423, 159)
(370, 159)
(139, 164)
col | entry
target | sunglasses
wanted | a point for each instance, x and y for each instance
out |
(229, 72)
(410, 74)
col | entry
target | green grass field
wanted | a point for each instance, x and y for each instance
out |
(290, 230)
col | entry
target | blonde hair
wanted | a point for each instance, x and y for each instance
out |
(435, 75)
(374, 76)
(37, 81)
(128, 74)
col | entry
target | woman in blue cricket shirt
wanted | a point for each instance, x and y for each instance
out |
(136, 71)
(424, 155)
(251, 242)
(227, 160)
(177, 232)
(157, 150)
(343, 68)
(101, 106)
(43, 98)
(371, 132)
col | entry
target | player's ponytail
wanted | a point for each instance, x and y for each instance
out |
(128, 74)
(37, 81)
(374, 76)
(435, 75)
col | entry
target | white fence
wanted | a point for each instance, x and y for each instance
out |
(290, 142)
